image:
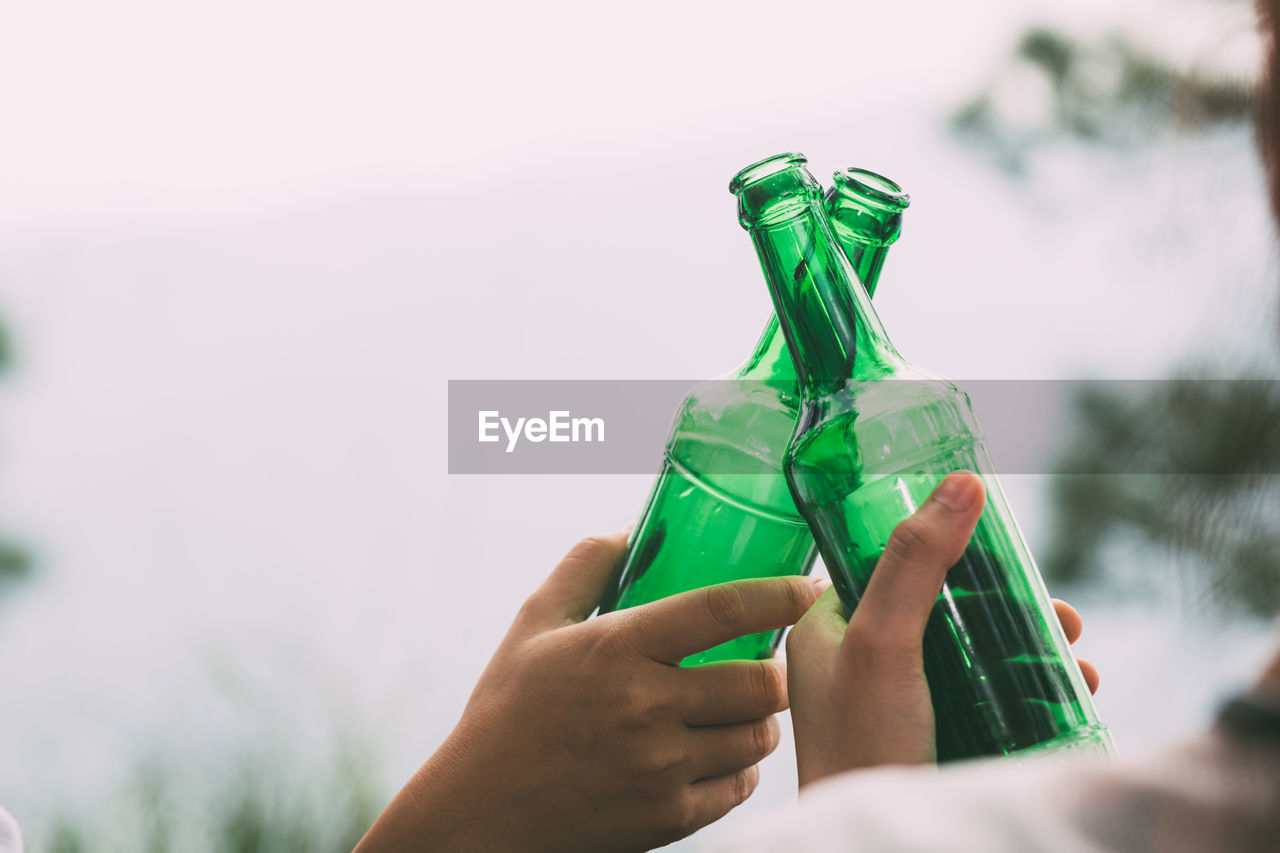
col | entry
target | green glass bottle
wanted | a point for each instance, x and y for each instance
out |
(721, 509)
(875, 435)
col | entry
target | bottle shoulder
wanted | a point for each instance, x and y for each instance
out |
(733, 403)
(731, 435)
(881, 426)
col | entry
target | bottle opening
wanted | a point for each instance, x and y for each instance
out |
(872, 187)
(763, 169)
(774, 191)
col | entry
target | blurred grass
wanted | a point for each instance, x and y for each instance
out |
(264, 800)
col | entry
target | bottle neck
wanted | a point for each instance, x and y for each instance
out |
(865, 248)
(825, 315)
(770, 361)
(867, 261)
(865, 211)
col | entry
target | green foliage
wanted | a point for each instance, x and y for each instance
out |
(1107, 91)
(15, 563)
(324, 814)
(1186, 469)
(1182, 474)
(67, 838)
(261, 802)
(6, 347)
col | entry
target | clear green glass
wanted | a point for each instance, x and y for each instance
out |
(721, 509)
(875, 435)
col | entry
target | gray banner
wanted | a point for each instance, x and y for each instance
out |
(1200, 426)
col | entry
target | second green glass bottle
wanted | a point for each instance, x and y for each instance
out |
(875, 436)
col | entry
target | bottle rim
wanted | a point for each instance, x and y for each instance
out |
(870, 186)
(764, 168)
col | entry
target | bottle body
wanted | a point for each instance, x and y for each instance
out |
(721, 508)
(1000, 671)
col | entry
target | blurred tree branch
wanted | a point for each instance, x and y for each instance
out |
(1180, 472)
(1106, 91)
(1192, 465)
(15, 563)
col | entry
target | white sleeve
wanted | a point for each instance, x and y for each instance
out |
(10, 835)
(1213, 793)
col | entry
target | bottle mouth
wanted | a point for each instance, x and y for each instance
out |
(774, 191)
(763, 169)
(871, 187)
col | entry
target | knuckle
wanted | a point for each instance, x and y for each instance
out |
(682, 813)
(659, 765)
(770, 685)
(744, 783)
(799, 594)
(636, 706)
(797, 639)
(908, 540)
(590, 549)
(532, 608)
(881, 645)
(601, 644)
(763, 738)
(615, 639)
(628, 704)
(725, 607)
(860, 635)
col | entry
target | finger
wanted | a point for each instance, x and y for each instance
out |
(1072, 623)
(574, 587)
(1090, 673)
(732, 691)
(724, 750)
(824, 622)
(671, 628)
(714, 798)
(909, 575)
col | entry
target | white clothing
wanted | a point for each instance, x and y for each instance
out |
(1219, 792)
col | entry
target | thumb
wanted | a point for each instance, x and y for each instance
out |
(910, 573)
(574, 587)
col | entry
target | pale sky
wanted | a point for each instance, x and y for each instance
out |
(151, 109)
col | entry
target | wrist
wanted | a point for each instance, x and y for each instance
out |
(439, 808)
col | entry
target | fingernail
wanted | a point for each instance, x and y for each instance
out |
(821, 583)
(959, 491)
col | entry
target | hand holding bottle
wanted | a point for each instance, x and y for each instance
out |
(586, 735)
(858, 688)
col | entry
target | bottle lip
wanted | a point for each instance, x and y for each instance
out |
(764, 168)
(871, 186)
